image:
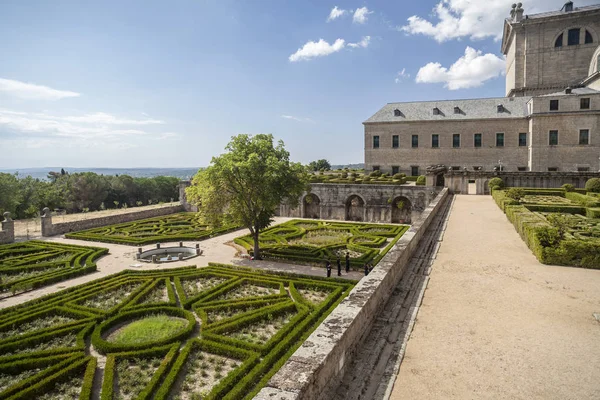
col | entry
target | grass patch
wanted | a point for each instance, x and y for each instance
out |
(149, 329)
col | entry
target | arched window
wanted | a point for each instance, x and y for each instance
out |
(588, 37)
(573, 38)
(559, 41)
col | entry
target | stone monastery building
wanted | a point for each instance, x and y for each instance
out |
(548, 121)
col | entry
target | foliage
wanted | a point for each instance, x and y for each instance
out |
(213, 360)
(421, 180)
(317, 241)
(319, 165)
(593, 185)
(170, 228)
(496, 182)
(26, 197)
(246, 185)
(568, 187)
(33, 264)
(515, 193)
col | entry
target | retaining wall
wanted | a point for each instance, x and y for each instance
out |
(51, 229)
(323, 357)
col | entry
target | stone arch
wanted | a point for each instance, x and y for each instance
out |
(401, 210)
(355, 208)
(595, 62)
(311, 206)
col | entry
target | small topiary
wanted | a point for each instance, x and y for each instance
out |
(515, 193)
(421, 180)
(366, 179)
(344, 175)
(495, 187)
(593, 185)
(398, 176)
(568, 187)
(496, 182)
(375, 174)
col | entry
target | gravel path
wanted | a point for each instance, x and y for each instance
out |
(497, 324)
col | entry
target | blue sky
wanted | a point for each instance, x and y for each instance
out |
(166, 84)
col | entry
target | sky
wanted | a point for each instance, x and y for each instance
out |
(144, 83)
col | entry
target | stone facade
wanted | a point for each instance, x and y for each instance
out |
(321, 360)
(183, 197)
(51, 229)
(367, 203)
(7, 234)
(557, 130)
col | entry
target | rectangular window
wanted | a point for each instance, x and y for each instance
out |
(414, 171)
(395, 142)
(375, 142)
(583, 169)
(395, 169)
(522, 139)
(477, 140)
(455, 168)
(553, 138)
(499, 139)
(435, 141)
(573, 38)
(584, 136)
(584, 104)
(456, 140)
(553, 105)
(552, 169)
(415, 141)
(522, 169)
(376, 167)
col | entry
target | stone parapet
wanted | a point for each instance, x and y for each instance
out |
(7, 234)
(322, 358)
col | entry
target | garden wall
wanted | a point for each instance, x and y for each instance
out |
(50, 229)
(375, 202)
(322, 359)
(7, 234)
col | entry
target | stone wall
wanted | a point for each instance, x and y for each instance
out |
(183, 197)
(322, 359)
(7, 234)
(376, 202)
(50, 229)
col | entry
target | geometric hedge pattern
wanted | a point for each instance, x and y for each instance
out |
(33, 264)
(307, 241)
(181, 226)
(238, 327)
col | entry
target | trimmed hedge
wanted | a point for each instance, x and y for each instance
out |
(255, 361)
(170, 228)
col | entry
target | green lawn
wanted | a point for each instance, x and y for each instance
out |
(149, 329)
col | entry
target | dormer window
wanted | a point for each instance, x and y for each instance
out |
(436, 111)
(397, 113)
(500, 108)
(559, 41)
(457, 110)
(568, 7)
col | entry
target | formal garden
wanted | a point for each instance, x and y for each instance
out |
(218, 332)
(31, 265)
(373, 178)
(313, 242)
(169, 228)
(561, 226)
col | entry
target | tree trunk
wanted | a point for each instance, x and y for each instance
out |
(256, 245)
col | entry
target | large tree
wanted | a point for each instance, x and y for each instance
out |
(246, 184)
(319, 165)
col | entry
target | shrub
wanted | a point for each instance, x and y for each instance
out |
(376, 174)
(496, 182)
(421, 180)
(515, 193)
(593, 185)
(344, 175)
(568, 187)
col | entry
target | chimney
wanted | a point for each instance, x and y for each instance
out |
(568, 7)
(519, 13)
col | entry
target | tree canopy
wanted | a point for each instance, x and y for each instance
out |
(319, 165)
(246, 184)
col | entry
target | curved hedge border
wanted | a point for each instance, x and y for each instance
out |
(34, 264)
(63, 362)
(170, 228)
(370, 240)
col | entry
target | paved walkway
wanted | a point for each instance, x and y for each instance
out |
(497, 324)
(122, 257)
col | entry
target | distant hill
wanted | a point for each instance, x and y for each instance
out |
(42, 173)
(350, 166)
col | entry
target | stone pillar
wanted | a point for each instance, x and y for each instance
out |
(8, 229)
(47, 227)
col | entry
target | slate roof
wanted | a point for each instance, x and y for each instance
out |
(513, 107)
(561, 12)
(580, 91)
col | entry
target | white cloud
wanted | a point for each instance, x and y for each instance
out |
(475, 19)
(470, 70)
(31, 91)
(360, 15)
(335, 13)
(317, 49)
(104, 118)
(401, 75)
(363, 43)
(298, 119)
